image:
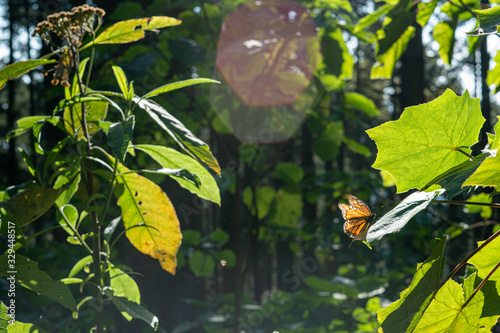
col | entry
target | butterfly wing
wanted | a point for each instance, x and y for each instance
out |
(358, 217)
(356, 228)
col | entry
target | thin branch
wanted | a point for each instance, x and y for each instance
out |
(481, 284)
(464, 261)
(485, 204)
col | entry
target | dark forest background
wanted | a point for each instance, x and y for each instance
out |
(265, 268)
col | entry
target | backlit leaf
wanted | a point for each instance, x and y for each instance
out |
(404, 314)
(446, 314)
(149, 217)
(171, 158)
(132, 30)
(399, 20)
(124, 286)
(19, 327)
(387, 61)
(360, 102)
(414, 153)
(95, 112)
(184, 137)
(444, 34)
(20, 68)
(177, 85)
(486, 174)
(494, 73)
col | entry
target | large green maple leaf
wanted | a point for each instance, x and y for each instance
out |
(428, 139)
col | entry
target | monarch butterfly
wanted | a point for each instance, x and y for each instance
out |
(357, 218)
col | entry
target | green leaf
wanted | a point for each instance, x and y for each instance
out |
(191, 237)
(20, 68)
(485, 211)
(288, 172)
(133, 309)
(425, 10)
(334, 5)
(121, 78)
(4, 316)
(399, 20)
(26, 123)
(488, 296)
(405, 313)
(28, 205)
(356, 101)
(201, 265)
(325, 285)
(452, 179)
(387, 61)
(264, 199)
(170, 158)
(95, 108)
(18, 327)
(120, 136)
(26, 273)
(373, 17)
(426, 140)
(219, 236)
(71, 214)
(486, 174)
(226, 257)
(398, 217)
(80, 265)
(486, 259)
(110, 229)
(338, 61)
(124, 286)
(149, 218)
(444, 34)
(70, 189)
(185, 138)
(131, 30)
(177, 85)
(488, 21)
(328, 144)
(493, 76)
(287, 209)
(447, 314)
(357, 147)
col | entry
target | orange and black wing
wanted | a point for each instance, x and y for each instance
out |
(358, 217)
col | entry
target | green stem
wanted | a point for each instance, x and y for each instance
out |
(94, 220)
(110, 195)
(72, 227)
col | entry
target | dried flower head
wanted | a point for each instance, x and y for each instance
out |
(70, 27)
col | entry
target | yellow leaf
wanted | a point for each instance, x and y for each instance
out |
(149, 217)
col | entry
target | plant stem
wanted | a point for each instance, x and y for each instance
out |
(94, 220)
(77, 234)
(487, 204)
(481, 284)
(466, 154)
(464, 261)
(110, 195)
